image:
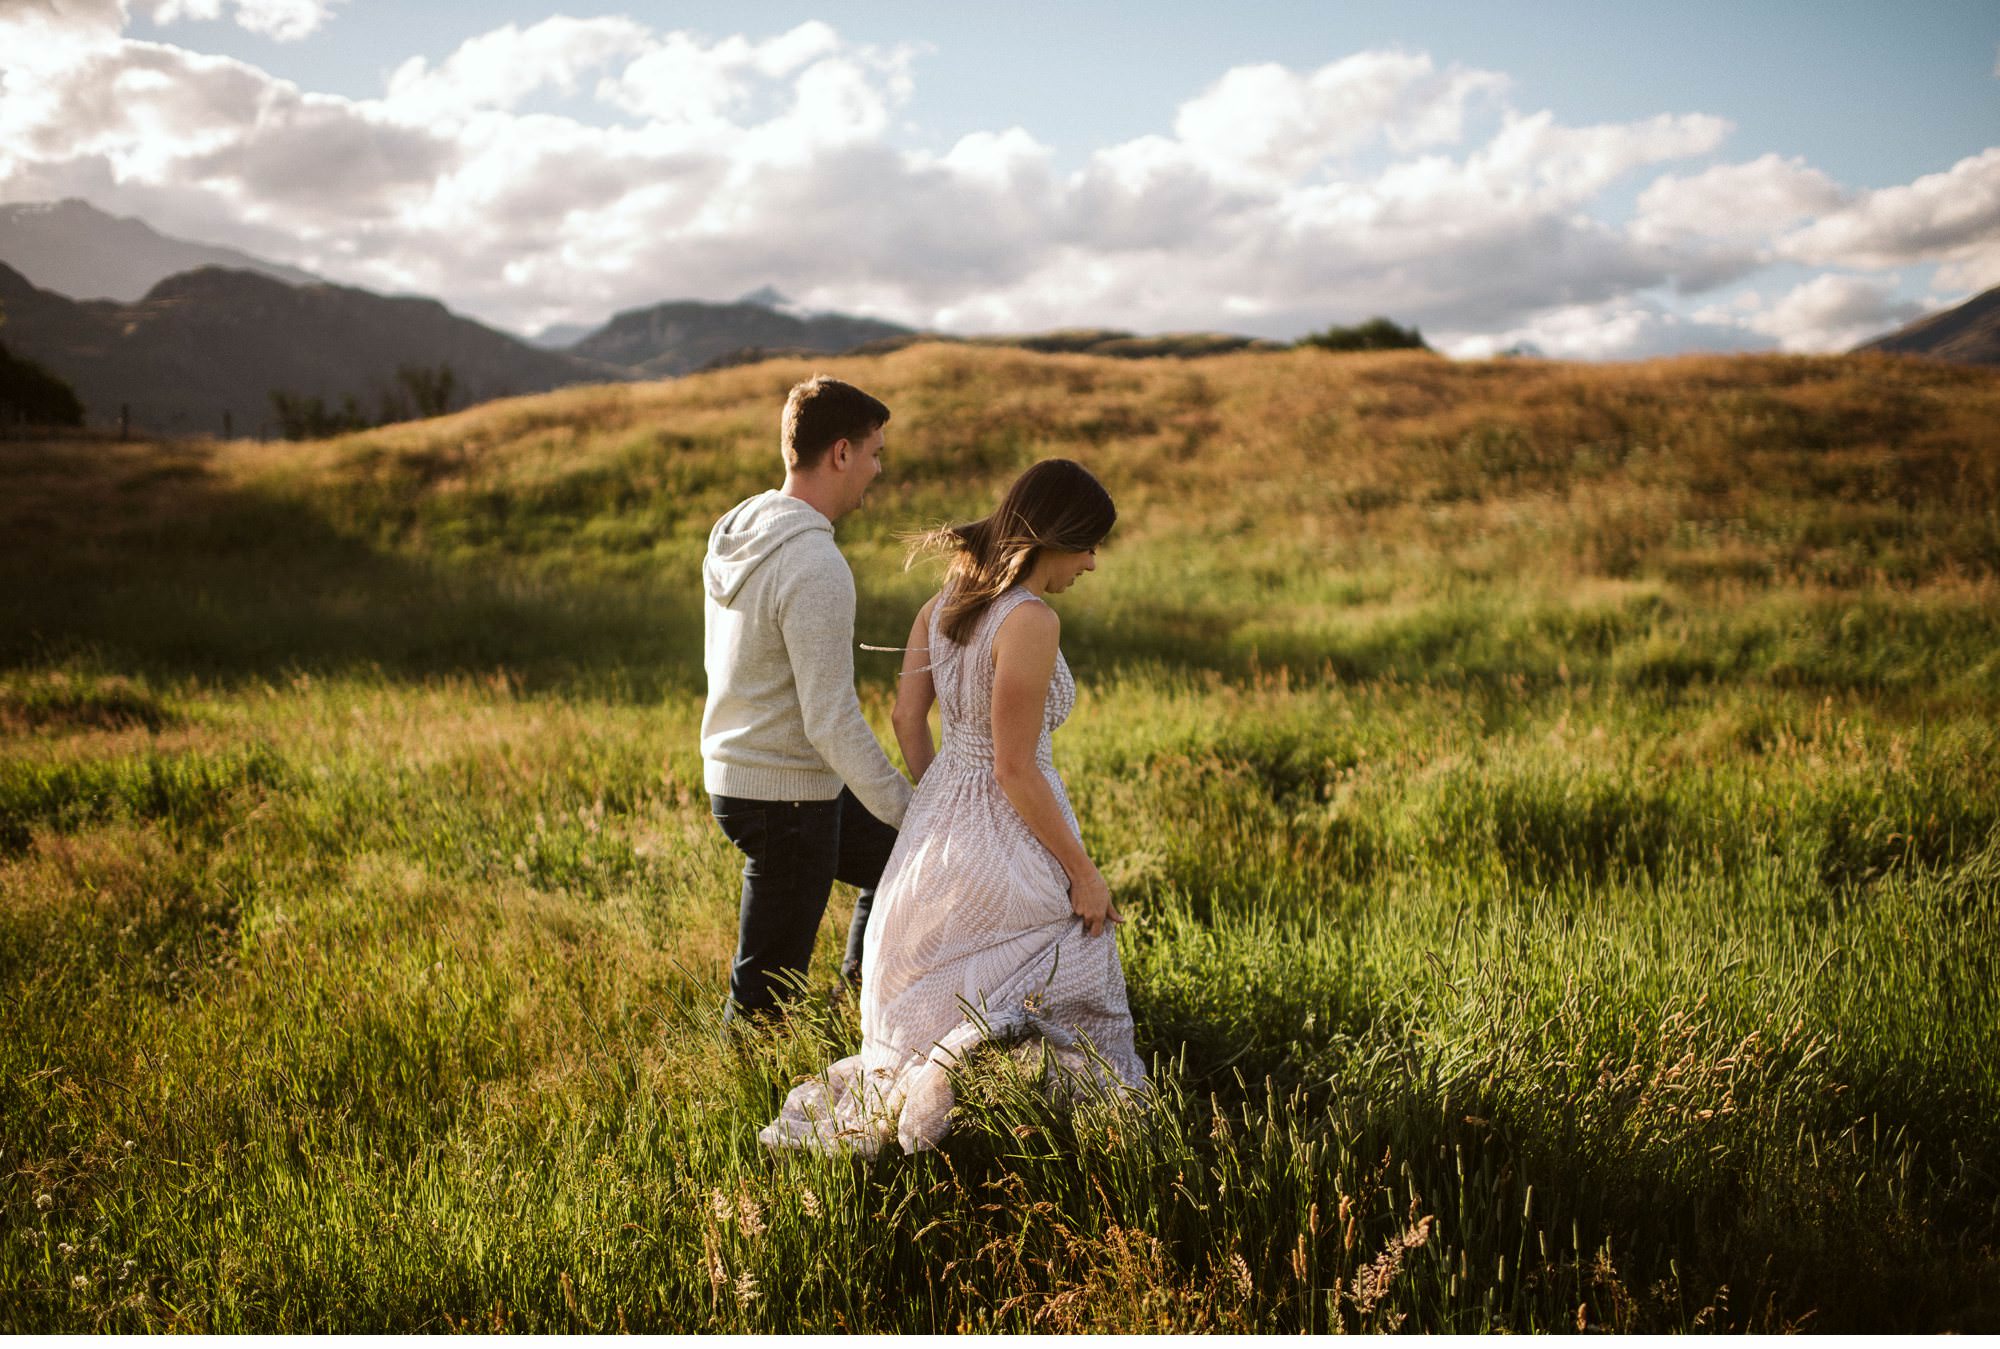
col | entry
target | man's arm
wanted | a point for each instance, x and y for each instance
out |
(816, 615)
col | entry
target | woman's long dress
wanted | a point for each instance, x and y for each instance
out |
(971, 937)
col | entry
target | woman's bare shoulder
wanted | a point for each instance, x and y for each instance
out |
(1031, 622)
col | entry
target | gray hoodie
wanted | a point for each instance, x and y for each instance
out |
(782, 721)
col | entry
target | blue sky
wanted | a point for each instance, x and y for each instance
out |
(1873, 93)
(1598, 179)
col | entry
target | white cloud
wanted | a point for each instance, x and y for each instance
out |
(1954, 215)
(1279, 201)
(1716, 226)
(1537, 155)
(40, 35)
(280, 20)
(1270, 122)
(1628, 328)
(1834, 312)
(501, 68)
(1736, 201)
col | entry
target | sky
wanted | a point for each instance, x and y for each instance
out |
(1598, 180)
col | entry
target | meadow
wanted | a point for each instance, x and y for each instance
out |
(1557, 809)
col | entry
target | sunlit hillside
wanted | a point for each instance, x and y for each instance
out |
(1558, 807)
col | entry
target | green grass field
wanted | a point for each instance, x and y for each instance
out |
(1558, 810)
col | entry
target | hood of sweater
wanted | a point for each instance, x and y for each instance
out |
(745, 538)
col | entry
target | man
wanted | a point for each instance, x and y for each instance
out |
(794, 774)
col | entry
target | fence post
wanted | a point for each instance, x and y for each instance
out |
(124, 421)
(228, 433)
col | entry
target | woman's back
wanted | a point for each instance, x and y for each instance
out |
(964, 676)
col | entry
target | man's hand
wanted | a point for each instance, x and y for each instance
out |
(1090, 900)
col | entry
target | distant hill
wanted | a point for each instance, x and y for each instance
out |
(559, 335)
(74, 249)
(217, 340)
(681, 336)
(1094, 342)
(1969, 334)
(1074, 341)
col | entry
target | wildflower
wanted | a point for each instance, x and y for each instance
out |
(125, 1270)
(717, 1274)
(520, 864)
(80, 1283)
(719, 1205)
(45, 1201)
(809, 1202)
(29, 1234)
(747, 1290)
(65, 1250)
(129, 1145)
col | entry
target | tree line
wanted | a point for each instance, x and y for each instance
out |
(417, 391)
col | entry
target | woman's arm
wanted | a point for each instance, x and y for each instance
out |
(1024, 662)
(914, 695)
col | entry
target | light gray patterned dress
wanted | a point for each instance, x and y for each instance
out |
(971, 938)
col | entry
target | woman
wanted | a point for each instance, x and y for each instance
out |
(991, 921)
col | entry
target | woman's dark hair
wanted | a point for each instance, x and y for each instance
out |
(1056, 504)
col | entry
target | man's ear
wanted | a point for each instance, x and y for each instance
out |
(840, 454)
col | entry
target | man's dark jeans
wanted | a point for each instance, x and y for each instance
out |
(793, 853)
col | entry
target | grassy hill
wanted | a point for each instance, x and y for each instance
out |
(1556, 806)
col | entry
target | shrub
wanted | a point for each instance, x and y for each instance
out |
(30, 394)
(1377, 334)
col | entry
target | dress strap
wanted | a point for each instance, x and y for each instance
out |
(1010, 600)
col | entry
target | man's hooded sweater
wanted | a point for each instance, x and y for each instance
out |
(782, 721)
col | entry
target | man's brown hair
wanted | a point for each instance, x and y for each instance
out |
(820, 411)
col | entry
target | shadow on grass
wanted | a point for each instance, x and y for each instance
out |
(153, 565)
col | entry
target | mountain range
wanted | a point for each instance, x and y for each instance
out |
(74, 249)
(186, 337)
(194, 337)
(203, 351)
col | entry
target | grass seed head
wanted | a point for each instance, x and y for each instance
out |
(1239, 1269)
(749, 1215)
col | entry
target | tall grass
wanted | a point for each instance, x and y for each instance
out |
(1555, 807)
